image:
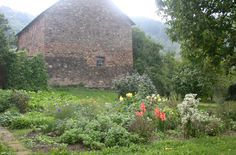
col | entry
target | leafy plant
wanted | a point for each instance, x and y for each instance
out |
(8, 117)
(31, 119)
(26, 73)
(195, 122)
(20, 99)
(140, 84)
(5, 100)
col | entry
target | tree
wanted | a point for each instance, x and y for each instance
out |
(3, 40)
(191, 79)
(149, 60)
(206, 30)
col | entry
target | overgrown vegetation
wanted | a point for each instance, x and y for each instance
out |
(5, 150)
(58, 120)
(26, 73)
(21, 71)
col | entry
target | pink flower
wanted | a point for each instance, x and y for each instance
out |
(139, 114)
(163, 116)
(157, 113)
(143, 107)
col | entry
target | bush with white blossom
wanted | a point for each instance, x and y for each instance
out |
(195, 122)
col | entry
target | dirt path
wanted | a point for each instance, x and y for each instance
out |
(9, 139)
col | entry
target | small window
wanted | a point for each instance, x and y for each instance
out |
(100, 61)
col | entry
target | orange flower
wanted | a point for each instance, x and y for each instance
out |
(143, 107)
(163, 116)
(139, 114)
(157, 113)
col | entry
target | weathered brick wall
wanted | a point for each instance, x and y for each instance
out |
(31, 38)
(77, 32)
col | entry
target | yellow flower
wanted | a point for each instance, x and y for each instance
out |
(129, 95)
(121, 98)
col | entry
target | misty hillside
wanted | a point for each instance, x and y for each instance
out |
(17, 20)
(157, 31)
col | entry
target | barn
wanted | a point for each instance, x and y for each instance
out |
(86, 42)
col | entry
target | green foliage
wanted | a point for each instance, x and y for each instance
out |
(190, 79)
(98, 132)
(9, 98)
(31, 119)
(5, 150)
(3, 40)
(119, 136)
(20, 99)
(227, 111)
(99, 126)
(27, 73)
(195, 122)
(71, 136)
(7, 118)
(204, 145)
(5, 100)
(140, 84)
(21, 72)
(143, 127)
(148, 60)
(205, 29)
(232, 92)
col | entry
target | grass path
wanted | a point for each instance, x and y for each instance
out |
(8, 138)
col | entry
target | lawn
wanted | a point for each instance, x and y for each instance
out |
(224, 145)
(201, 146)
(99, 96)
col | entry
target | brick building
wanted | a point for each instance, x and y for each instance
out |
(85, 42)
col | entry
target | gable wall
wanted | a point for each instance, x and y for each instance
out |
(31, 38)
(79, 31)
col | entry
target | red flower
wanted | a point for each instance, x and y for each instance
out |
(139, 114)
(157, 113)
(163, 116)
(143, 107)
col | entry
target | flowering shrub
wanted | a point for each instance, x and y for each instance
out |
(195, 122)
(140, 84)
(149, 118)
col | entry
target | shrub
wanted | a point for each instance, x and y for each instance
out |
(172, 118)
(213, 126)
(195, 122)
(143, 127)
(71, 136)
(26, 73)
(227, 111)
(232, 92)
(5, 101)
(140, 84)
(20, 99)
(31, 119)
(119, 136)
(7, 118)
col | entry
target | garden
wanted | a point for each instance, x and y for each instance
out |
(174, 105)
(133, 120)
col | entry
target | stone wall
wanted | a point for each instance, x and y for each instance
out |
(77, 32)
(31, 38)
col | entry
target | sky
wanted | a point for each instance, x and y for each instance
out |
(145, 8)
